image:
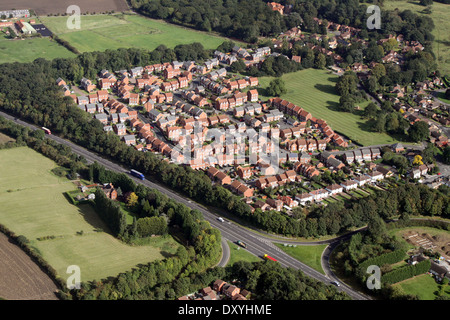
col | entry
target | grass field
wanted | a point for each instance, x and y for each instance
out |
(101, 32)
(440, 14)
(424, 286)
(32, 204)
(309, 255)
(314, 91)
(238, 253)
(31, 49)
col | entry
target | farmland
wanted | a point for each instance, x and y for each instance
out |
(101, 32)
(33, 205)
(44, 7)
(314, 91)
(439, 14)
(20, 277)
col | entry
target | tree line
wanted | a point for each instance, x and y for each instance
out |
(242, 19)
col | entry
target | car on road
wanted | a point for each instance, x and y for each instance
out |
(337, 284)
(220, 219)
(241, 243)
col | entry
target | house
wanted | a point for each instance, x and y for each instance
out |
(82, 100)
(218, 285)
(261, 205)
(415, 173)
(102, 95)
(109, 191)
(349, 157)
(335, 163)
(319, 194)
(366, 154)
(398, 147)
(384, 171)
(230, 290)
(361, 180)
(334, 189)
(375, 176)
(129, 139)
(275, 203)
(376, 153)
(271, 181)
(261, 183)
(245, 191)
(87, 85)
(252, 95)
(244, 172)
(133, 99)
(304, 197)
(103, 118)
(349, 185)
(222, 178)
(276, 7)
(120, 129)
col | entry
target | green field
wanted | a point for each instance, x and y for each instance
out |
(309, 255)
(440, 15)
(31, 49)
(101, 32)
(32, 204)
(314, 91)
(238, 253)
(424, 286)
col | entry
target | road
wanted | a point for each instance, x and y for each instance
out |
(257, 245)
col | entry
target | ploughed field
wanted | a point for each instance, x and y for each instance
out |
(20, 277)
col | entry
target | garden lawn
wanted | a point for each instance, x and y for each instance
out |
(31, 49)
(424, 286)
(237, 253)
(314, 91)
(309, 255)
(101, 32)
(33, 204)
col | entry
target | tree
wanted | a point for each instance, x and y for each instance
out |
(429, 153)
(380, 123)
(276, 87)
(347, 84)
(419, 131)
(132, 200)
(417, 160)
(379, 70)
(320, 62)
(426, 2)
(238, 66)
(446, 155)
(370, 111)
(447, 94)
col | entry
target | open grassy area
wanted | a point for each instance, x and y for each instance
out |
(238, 253)
(309, 255)
(314, 91)
(440, 13)
(32, 204)
(31, 49)
(101, 32)
(424, 286)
